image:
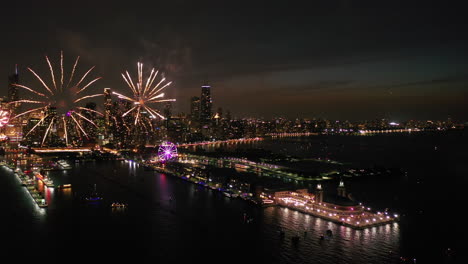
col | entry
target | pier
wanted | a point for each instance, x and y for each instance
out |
(342, 210)
(30, 186)
(357, 221)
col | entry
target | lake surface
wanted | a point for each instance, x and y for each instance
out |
(170, 220)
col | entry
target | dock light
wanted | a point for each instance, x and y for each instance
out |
(395, 215)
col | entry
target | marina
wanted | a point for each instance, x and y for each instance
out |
(30, 186)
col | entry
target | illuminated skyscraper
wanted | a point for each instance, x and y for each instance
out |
(107, 105)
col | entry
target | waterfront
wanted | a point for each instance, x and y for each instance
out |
(167, 216)
(196, 220)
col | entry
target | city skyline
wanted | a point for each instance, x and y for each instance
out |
(337, 60)
(248, 131)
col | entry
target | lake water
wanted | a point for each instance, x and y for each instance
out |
(170, 220)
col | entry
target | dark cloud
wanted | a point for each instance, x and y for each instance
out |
(259, 56)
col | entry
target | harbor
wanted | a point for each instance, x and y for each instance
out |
(30, 185)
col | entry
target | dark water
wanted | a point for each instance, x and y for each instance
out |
(200, 224)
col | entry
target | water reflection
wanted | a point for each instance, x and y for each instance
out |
(378, 244)
(201, 216)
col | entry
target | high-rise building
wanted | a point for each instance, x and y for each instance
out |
(205, 105)
(167, 110)
(91, 115)
(167, 113)
(195, 108)
(13, 90)
(107, 105)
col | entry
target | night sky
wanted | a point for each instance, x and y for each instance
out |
(351, 60)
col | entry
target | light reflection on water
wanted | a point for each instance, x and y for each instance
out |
(205, 216)
(346, 244)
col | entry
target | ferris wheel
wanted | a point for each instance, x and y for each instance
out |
(167, 151)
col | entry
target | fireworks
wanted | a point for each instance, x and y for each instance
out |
(144, 94)
(62, 97)
(4, 117)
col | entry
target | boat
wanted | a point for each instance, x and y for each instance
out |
(64, 164)
(64, 186)
(48, 182)
(94, 197)
(118, 205)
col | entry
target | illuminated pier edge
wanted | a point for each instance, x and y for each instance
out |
(54, 150)
(354, 216)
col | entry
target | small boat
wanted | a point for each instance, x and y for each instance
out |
(94, 197)
(118, 205)
(48, 182)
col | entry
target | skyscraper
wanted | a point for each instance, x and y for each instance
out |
(195, 108)
(107, 105)
(205, 105)
(12, 89)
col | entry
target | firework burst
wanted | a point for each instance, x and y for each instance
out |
(4, 117)
(64, 97)
(146, 92)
